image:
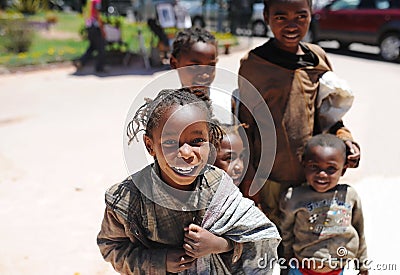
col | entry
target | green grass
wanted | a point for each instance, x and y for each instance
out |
(68, 22)
(48, 50)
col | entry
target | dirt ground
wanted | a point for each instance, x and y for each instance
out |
(61, 148)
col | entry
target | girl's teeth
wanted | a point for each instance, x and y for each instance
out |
(182, 170)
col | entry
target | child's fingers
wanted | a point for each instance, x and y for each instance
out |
(352, 148)
(194, 227)
(186, 265)
(189, 250)
(190, 247)
(194, 244)
(186, 260)
(192, 234)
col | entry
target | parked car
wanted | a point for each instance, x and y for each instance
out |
(117, 7)
(372, 22)
(214, 14)
(210, 13)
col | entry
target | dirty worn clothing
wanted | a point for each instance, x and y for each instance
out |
(323, 226)
(143, 219)
(290, 96)
(234, 217)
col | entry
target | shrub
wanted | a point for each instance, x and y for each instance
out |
(16, 34)
(27, 6)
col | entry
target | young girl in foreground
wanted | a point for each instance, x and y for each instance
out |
(180, 214)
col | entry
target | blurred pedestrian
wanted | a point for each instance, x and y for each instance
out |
(96, 37)
(240, 12)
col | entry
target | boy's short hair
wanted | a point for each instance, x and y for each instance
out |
(186, 38)
(325, 140)
(267, 4)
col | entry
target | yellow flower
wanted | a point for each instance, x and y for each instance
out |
(51, 51)
(22, 55)
(36, 55)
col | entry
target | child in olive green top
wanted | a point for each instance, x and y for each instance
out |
(322, 224)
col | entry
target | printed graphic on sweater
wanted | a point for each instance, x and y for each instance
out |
(329, 217)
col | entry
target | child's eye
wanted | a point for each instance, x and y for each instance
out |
(227, 158)
(198, 141)
(279, 18)
(331, 170)
(313, 167)
(169, 142)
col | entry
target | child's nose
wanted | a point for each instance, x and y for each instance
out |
(238, 167)
(292, 25)
(204, 76)
(322, 173)
(185, 151)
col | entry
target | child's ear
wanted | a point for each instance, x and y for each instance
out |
(173, 62)
(148, 142)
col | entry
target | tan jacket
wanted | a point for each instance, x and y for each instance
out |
(290, 97)
(323, 226)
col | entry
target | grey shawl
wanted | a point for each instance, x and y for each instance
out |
(232, 216)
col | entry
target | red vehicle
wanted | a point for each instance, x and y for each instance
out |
(372, 22)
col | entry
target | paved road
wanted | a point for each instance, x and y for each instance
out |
(61, 147)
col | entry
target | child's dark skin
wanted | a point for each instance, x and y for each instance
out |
(289, 21)
(182, 142)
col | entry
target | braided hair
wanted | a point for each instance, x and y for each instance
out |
(232, 128)
(185, 39)
(235, 129)
(149, 115)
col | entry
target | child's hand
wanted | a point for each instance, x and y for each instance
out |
(200, 242)
(354, 157)
(178, 261)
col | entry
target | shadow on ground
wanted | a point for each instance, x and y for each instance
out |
(118, 66)
(355, 50)
(357, 54)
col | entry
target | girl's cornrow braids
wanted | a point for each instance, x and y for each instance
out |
(186, 38)
(142, 116)
(150, 113)
(233, 128)
(138, 122)
(216, 132)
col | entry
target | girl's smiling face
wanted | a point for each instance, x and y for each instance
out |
(180, 145)
(230, 157)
